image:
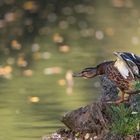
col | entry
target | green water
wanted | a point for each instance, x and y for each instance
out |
(24, 119)
(32, 106)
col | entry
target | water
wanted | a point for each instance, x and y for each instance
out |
(34, 99)
(23, 118)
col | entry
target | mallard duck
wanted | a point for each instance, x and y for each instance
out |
(124, 72)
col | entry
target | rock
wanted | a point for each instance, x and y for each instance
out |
(91, 121)
(91, 118)
(135, 102)
(109, 91)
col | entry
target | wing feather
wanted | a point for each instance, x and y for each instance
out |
(132, 61)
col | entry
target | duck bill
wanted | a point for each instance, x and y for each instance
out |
(77, 74)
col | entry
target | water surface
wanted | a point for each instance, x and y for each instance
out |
(32, 102)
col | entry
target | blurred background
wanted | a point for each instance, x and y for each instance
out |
(41, 43)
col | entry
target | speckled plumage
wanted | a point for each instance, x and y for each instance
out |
(124, 84)
(124, 72)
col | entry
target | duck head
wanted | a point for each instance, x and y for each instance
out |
(87, 73)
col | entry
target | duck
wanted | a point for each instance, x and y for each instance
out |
(124, 72)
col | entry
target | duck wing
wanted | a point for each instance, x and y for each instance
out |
(133, 57)
(133, 61)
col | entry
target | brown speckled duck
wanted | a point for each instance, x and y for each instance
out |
(124, 72)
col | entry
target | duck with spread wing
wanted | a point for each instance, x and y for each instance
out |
(124, 72)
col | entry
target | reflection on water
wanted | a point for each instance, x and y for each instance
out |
(32, 106)
(36, 87)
